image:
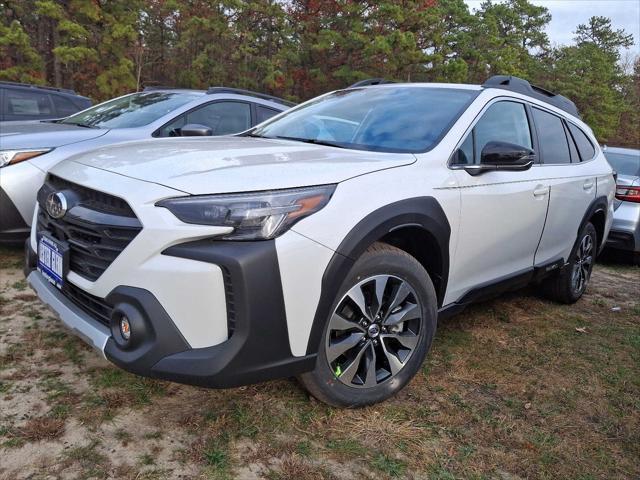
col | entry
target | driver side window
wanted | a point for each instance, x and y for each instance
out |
(503, 121)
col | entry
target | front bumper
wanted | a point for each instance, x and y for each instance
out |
(256, 350)
(13, 228)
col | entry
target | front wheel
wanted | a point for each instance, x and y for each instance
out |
(380, 329)
(571, 283)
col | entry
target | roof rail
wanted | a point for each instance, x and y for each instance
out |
(151, 88)
(518, 85)
(370, 81)
(43, 87)
(240, 91)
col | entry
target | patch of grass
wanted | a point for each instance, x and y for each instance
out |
(61, 410)
(215, 454)
(19, 285)
(126, 388)
(4, 386)
(72, 351)
(13, 443)
(303, 448)
(391, 466)
(122, 435)
(146, 459)
(244, 421)
(89, 458)
(346, 446)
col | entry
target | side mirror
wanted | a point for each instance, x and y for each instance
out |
(195, 130)
(503, 156)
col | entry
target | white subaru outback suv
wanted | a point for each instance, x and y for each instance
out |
(326, 242)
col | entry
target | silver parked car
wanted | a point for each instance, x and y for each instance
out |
(625, 231)
(29, 149)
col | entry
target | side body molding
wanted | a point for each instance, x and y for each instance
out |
(419, 212)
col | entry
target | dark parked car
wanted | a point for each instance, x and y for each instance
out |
(21, 101)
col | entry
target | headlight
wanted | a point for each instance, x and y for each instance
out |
(9, 157)
(253, 216)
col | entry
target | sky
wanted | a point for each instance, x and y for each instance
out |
(568, 14)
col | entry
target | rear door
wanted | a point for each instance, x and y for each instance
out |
(572, 179)
(502, 212)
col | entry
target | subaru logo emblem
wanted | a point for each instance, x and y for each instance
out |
(56, 205)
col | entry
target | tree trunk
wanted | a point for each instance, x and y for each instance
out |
(55, 39)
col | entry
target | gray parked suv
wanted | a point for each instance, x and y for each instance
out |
(22, 101)
(625, 230)
(29, 149)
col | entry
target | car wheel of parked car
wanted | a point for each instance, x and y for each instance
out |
(571, 283)
(378, 335)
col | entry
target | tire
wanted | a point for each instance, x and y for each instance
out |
(366, 358)
(569, 285)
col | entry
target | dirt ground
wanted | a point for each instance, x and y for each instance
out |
(514, 388)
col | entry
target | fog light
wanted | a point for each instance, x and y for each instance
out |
(125, 328)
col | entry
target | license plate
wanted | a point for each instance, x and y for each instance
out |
(53, 260)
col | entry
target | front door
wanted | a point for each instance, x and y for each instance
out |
(502, 213)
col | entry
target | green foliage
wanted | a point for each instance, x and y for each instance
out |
(19, 61)
(299, 48)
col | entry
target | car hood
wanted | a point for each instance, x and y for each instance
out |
(236, 164)
(38, 134)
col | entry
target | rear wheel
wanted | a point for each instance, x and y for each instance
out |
(571, 283)
(380, 329)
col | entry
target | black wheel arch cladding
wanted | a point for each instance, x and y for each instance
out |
(422, 212)
(599, 206)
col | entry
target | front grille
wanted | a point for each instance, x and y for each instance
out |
(94, 306)
(97, 226)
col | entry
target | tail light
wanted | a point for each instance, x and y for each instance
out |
(628, 194)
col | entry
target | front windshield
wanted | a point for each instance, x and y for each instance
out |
(135, 110)
(384, 119)
(625, 163)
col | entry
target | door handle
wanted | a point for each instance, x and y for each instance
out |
(588, 184)
(540, 191)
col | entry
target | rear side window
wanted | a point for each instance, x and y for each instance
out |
(585, 147)
(264, 113)
(27, 104)
(552, 138)
(64, 107)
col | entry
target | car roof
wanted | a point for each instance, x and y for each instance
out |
(501, 82)
(28, 86)
(226, 91)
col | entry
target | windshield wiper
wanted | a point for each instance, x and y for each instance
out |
(79, 124)
(313, 141)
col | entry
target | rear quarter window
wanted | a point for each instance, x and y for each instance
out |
(585, 147)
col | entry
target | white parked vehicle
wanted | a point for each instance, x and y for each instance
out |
(326, 242)
(29, 149)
